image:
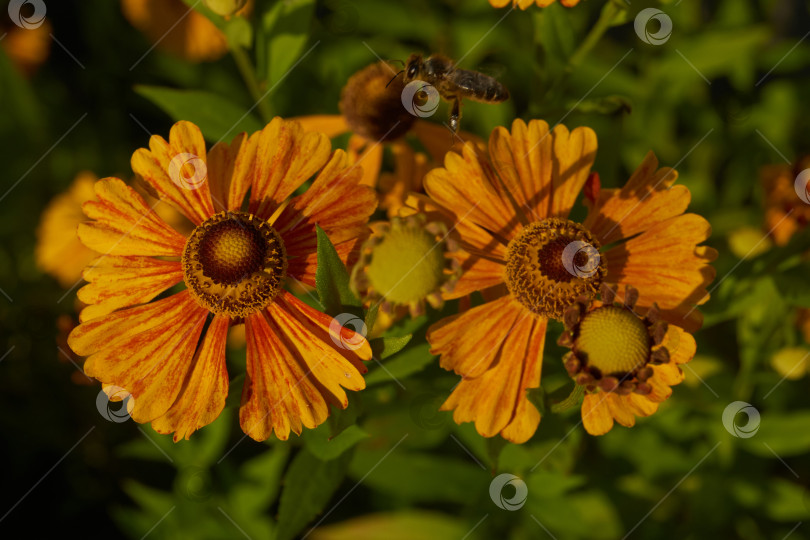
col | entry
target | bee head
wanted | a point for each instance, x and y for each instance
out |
(413, 66)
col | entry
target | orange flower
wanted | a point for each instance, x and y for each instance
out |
(531, 262)
(524, 4)
(372, 110)
(27, 48)
(177, 28)
(626, 363)
(785, 212)
(233, 265)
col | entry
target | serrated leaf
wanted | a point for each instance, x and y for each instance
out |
(217, 117)
(403, 365)
(308, 486)
(332, 278)
(382, 348)
(323, 447)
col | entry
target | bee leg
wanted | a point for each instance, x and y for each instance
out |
(455, 115)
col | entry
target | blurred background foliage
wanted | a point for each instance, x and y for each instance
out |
(725, 95)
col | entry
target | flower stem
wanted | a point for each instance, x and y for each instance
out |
(609, 13)
(248, 73)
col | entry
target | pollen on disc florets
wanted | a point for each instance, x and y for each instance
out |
(234, 263)
(372, 109)
(612, 348)
(551, 263)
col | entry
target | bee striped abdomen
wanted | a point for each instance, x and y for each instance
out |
(479, 87)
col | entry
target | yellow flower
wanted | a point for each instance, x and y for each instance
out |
(27, 48)
(627, 363)
(233, 267)
(785, 212)
(177, 28)
(403, 265)
(531, 262)
(524, 4)
(372, 110)
(58, 251)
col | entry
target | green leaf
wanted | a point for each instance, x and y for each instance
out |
(553, 31)
(382, 348)
(235, 391)
(403, 365)
(403, 525)
(327, 448)
(239, 33)
(573, 401)
(217, 117)
(794, 286)
(308, 486)
(332, 278)
(261, 481)
(284, 33)
(786, 433)
(371, 317)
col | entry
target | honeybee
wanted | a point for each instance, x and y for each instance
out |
(454, 84)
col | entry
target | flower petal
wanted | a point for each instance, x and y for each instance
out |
(117, 282)
(619, 411)
(125, 225)
(596, 415)
(491, 400)
(285, 157)
(228, 173)
(203, 395)
(527, 417)
(667, 267)
(177, 170)
(645, 200)
(330, 125)
(470, 343)
(145, 350)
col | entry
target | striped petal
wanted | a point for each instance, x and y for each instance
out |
(116, 282)
(470, 343)
(146, 350)
(205, 389)
(527, 417)
(596, 415)
(228, 173)
(647, 198)
(284, 157)
(177, 170)
(125, 225)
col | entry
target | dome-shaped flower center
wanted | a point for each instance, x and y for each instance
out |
(407, 264)
(234, 263)
(550, 263)
(613, 340)
(372, 109)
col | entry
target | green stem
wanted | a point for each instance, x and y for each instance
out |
(248, 73)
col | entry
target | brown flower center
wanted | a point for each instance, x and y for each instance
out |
(234, 263)
(550, 263)
(372, 109)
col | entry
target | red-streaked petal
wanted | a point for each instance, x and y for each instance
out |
(117, 282)
(203, 394)
(228, 173)
(125, 225)
(177, 170)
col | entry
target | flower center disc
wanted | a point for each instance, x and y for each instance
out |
(234, 263)
(613, 340)
(407, 265)
(550, 263)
